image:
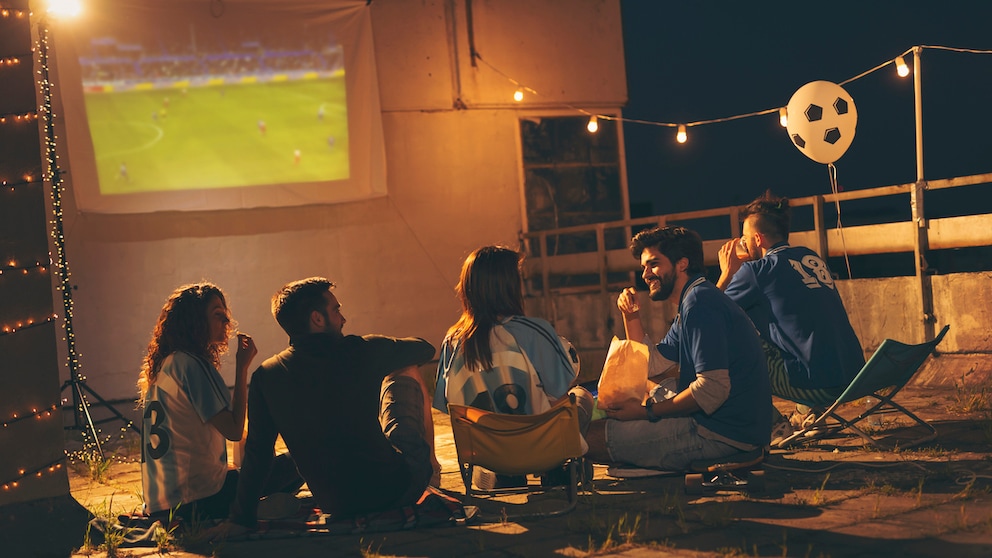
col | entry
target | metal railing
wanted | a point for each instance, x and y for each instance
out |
(614, 267)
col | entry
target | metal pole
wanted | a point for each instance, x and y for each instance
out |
(921, 244)
(918, 103)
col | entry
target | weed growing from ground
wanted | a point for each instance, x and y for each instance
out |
(97, 466)
(968, 399)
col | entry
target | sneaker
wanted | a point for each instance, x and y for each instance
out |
(800, 421)
(484, 479)
(781, 430)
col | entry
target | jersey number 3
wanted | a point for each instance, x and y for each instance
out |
(154, 417)
(814, 272)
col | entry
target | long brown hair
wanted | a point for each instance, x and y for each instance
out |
(183, 326)
(490, 288)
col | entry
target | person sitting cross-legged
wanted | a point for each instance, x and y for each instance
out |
(722, 404)
(352, 410)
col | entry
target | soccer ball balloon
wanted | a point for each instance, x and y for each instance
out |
(822, 118)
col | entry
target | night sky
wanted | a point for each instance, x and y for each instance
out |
(698, 60)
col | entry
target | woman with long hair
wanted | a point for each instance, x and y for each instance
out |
(188, 410)
(496, 358)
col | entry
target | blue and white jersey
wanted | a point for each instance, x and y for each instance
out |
(531, 368)
(790, 296)
(184, 458)
(712, 333)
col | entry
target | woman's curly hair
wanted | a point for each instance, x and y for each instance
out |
(183, 326)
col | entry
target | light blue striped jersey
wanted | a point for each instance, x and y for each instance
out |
(183, 457)
(532, 367)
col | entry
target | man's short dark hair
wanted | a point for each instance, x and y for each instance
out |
(674, 243)
(292, 305)
(772, 216)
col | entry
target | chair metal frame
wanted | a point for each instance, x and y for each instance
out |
(504, 444)
(888, 370)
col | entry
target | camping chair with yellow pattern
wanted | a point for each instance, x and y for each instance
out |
(887, 371)
(519, 445)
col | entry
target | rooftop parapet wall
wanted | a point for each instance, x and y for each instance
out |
(879, 309)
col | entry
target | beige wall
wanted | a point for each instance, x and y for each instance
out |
(453, 185)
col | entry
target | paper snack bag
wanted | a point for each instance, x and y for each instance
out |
(625, 373)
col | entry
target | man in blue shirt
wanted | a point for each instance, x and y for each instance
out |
(723, 400)
(790, 295)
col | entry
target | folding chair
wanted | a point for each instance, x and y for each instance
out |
(519, 445)
(882, 377)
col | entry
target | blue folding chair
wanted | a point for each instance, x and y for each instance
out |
(882, 377)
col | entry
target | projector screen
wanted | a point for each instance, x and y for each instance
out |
(219, 104)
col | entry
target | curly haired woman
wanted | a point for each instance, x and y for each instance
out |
(188, 410)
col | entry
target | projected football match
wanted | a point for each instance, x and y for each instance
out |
(200, 101)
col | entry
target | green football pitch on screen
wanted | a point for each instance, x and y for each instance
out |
(219, 136)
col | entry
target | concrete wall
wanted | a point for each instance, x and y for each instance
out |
(453, 185)
(878, 308)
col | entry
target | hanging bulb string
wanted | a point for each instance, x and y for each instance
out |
(39, 413)
(479, 57)
(528, 89)
(954, 49)
(39, 472)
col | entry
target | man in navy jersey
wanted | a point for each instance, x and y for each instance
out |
(789, 294)
(722, 403)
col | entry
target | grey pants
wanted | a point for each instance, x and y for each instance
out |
(401, 416)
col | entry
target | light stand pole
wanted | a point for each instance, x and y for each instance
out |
(83, 420)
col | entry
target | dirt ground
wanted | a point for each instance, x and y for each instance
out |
(832, 498)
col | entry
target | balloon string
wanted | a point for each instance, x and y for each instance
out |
(832, 172)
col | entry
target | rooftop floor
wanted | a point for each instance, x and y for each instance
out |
(835, 498)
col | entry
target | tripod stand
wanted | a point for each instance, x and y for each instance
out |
(83, 420)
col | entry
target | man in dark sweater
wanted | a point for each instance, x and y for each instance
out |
(352, 410)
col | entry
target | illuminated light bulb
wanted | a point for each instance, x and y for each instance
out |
(783, 116)
(65, 8)
(593, 125)
(681, 136)
(518, 95)
(901, 68)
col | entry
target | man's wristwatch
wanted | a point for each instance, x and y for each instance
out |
(648, 409)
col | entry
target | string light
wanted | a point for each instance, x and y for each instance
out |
(28, 323)
(7, 12)
(783, 116)
(901, 68)
(24, 269)
(681, 136)
(13, 118)
(35, 413)
(48, 469)
(593, 125)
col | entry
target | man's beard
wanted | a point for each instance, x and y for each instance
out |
(666, 284)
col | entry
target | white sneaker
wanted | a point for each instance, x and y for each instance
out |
(780, 431)
(802, 420)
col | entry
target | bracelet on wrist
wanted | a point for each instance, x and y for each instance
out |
(649, 411)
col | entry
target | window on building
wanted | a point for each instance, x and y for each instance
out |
(572, 177)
